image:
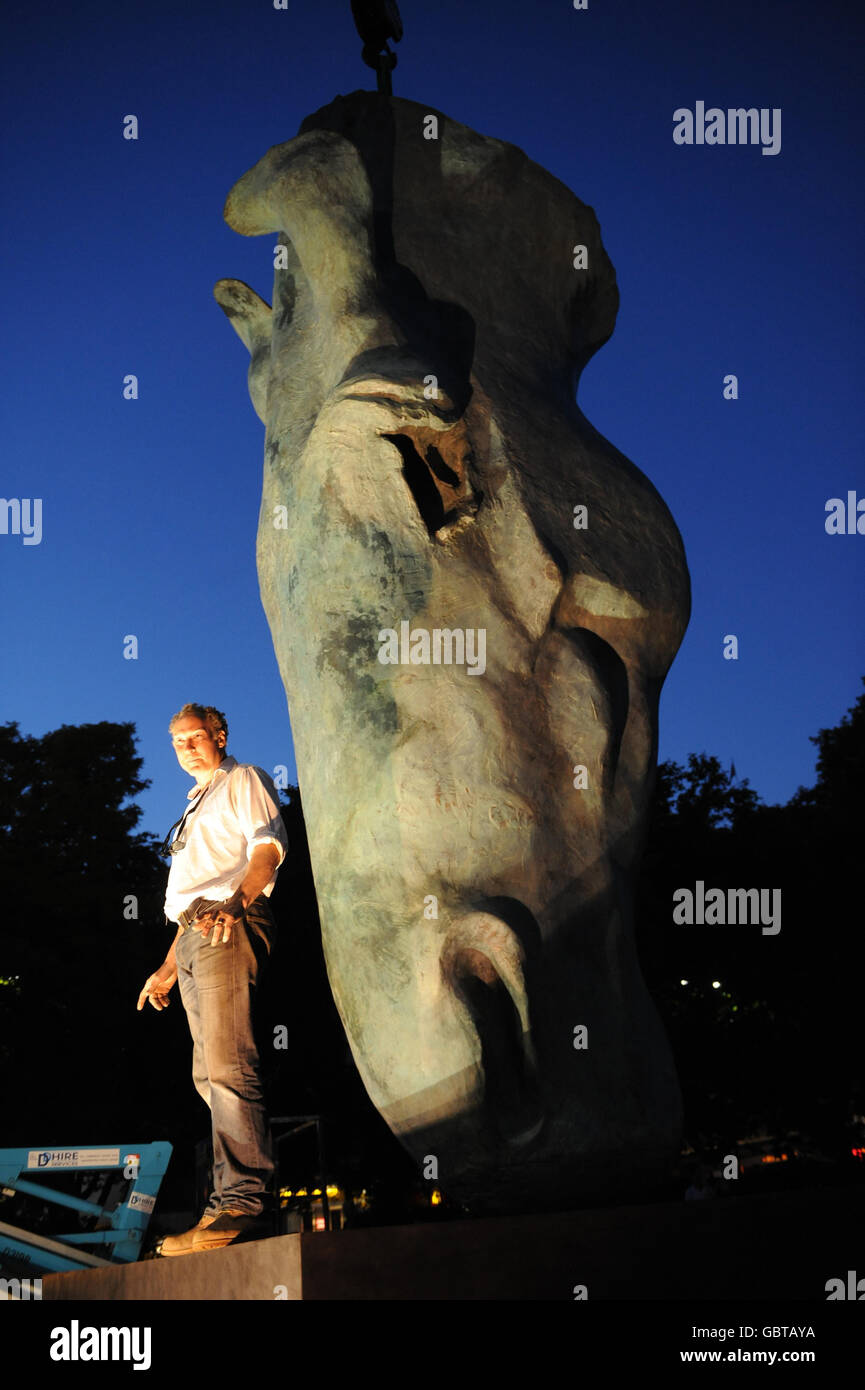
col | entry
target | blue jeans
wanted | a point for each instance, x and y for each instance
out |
(217, 987)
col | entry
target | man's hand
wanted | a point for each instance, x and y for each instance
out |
(220, 919)
(157, 987)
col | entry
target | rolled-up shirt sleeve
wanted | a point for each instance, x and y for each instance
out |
(256, 805)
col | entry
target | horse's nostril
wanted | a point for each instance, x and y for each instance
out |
(483, 965)
(470, 963)
(511, 1097)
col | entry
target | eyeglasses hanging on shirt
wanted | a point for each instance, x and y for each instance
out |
(174, 846)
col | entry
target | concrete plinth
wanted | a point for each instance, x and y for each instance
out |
(785, 1246)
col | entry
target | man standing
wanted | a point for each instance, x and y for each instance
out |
(224, 858)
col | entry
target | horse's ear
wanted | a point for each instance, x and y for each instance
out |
(248, 312)
(250, 318)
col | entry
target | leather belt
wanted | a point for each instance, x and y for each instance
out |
(197, 908)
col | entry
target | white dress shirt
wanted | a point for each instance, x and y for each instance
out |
(238, 810)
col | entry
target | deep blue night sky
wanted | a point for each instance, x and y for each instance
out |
(728, 261)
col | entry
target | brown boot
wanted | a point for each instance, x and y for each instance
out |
(231, 1227)
(182, 1244)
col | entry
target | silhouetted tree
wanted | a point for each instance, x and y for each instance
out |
(776, 1043)
(77, 937)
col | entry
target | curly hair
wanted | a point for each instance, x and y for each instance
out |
(212, 718)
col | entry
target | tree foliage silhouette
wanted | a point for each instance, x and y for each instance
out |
(774, 1047)
(71, 1069)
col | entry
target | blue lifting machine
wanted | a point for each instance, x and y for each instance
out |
(121, 1184)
